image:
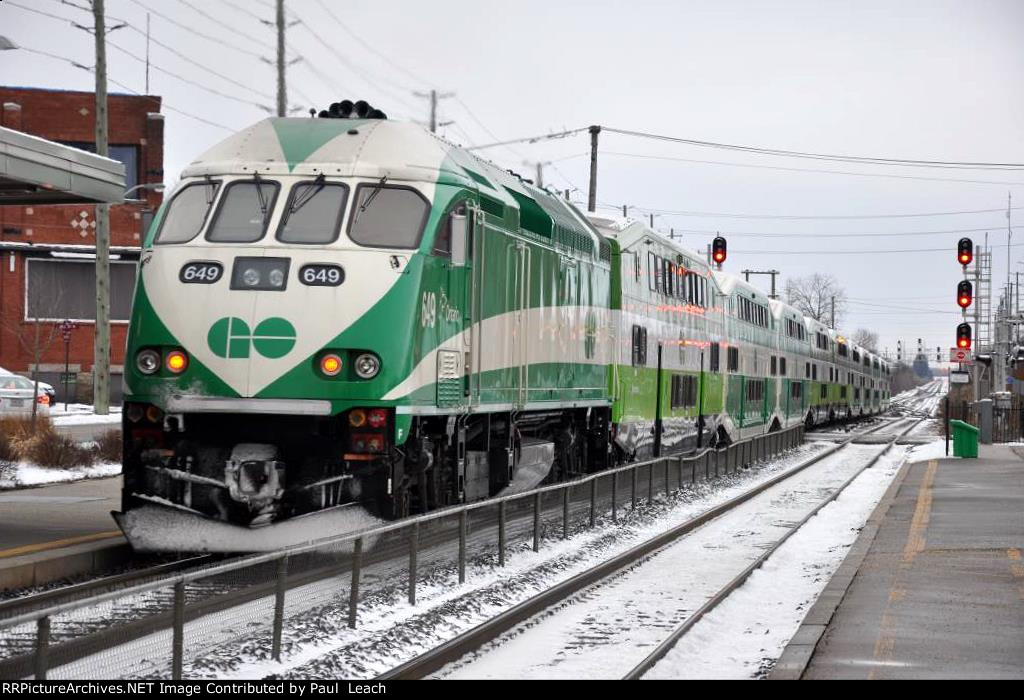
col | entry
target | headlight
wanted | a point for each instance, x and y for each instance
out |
(251, 277)
(148, 361)
(366, 366)
(276, 277)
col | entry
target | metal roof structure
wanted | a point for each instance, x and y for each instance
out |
(37, 171)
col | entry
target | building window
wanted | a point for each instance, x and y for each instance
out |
(796, 390)
(842, 392)
(684, 391)
(127, 154)
(814, 372)
(782, 366)
(57, 290)
(774, 366)
(639, 346)
(755, 390)
(734, 359)
(824, 391)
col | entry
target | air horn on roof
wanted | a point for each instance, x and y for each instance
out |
(347, 109)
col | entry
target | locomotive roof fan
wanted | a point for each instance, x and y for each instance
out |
(347, 109)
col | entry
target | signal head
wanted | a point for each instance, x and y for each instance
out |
(963, 336)
(965, 251)
(719, 250)
(964, 293)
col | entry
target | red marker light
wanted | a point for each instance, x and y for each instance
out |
(965, 251)
(377, 417)
(963, 336)
(719, 250)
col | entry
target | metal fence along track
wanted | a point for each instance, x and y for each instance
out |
(144, 628)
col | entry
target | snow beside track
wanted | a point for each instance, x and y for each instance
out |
(25, 474)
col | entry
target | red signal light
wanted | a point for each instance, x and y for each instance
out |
(965, 251)
(719, 250)
(964, 294)
(963, 336)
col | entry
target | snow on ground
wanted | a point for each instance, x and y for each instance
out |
(608, 629)
(743, 637)
(80, 414)
(318, 643)
(25, 474)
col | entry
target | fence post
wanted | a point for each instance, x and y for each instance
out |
(615, 497)
(42, 660)
(667, 490)
(357, 570)
(462, 546)
(593, 500)
(178, 638)
(565, 513)
(280, 588)
(414, 551)
(501, 533)
(536, 522)
(633, 491)
(650, 484)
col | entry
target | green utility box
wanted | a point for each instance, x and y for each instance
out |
(965, 439)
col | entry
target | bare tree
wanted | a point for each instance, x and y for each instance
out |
(866, 339)
(818, 296)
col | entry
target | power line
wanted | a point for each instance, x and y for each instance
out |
(533, 139)
(807, 170)
(168, 48)
(866, 251)
(163, 103)
(873, 160)
(958, 231)
(372, 49)
(837, 217)
(234, 30)
(218, 40)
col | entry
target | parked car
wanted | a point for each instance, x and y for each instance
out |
(17, 394)
(44, 388)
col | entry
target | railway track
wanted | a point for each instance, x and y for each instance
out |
(462, 648)
(219, 602)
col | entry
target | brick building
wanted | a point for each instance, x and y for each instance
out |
(47, 272)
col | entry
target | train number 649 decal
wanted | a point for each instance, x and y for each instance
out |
(201, 272)
(321, 275)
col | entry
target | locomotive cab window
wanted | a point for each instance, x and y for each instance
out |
(244, 212)
(639, 346)
(187, 212)
(314, 212)
(388, 217)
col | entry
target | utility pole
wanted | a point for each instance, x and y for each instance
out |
(625, 211)
(147, 53)
(592, 198)
(101, 339)
(282, 89)
(434, 96)
(833, 312)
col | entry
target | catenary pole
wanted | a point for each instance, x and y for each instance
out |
(282, 89)
(592, 196)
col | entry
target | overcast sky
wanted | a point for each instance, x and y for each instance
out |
(914, 79)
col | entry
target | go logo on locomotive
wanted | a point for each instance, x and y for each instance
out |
(231, 338)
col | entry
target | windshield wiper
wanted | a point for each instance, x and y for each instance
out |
(259, 193)
(312, 190)
(369, 200)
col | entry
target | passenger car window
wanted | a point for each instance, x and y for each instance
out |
(388, 217)
(244, 212)
(313, 214)
(187, 212)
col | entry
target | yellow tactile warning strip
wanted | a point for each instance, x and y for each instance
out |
(1017, 569)
(916, 539)
(57, 544)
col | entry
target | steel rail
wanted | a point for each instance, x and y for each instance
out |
(667, 644)
(471, 640)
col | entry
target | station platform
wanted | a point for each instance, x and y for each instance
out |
(933, 586)
(53, 532)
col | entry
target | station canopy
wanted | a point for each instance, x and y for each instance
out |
(37, 171)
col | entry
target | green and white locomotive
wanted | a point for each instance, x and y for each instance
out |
(350, 314)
